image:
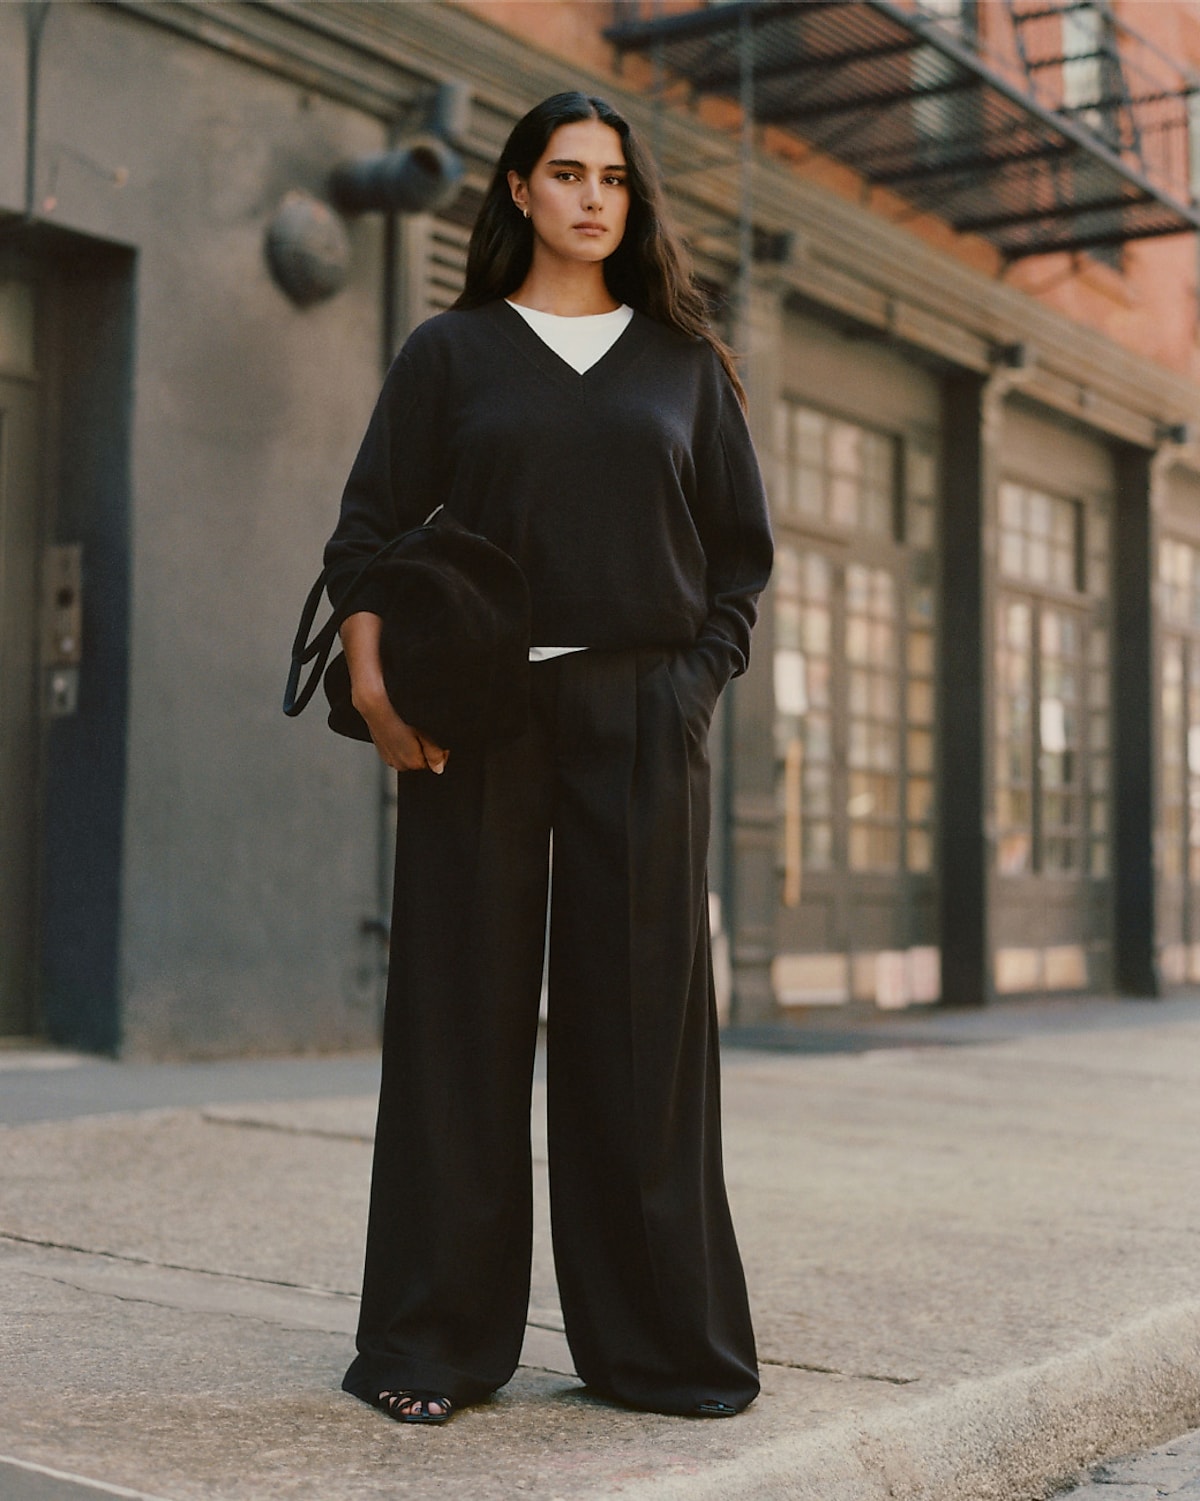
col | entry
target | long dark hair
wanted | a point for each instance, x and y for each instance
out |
(649, 269)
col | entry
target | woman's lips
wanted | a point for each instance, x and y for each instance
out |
(590, 229)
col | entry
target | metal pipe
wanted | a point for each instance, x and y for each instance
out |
(660, 83)
(746, 215)
(36, 12)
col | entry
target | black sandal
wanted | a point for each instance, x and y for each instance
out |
(414, 1407)
(713, 1409)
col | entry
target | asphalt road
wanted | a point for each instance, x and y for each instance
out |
(1170, 1470)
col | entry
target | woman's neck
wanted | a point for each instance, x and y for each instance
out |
(570, 290)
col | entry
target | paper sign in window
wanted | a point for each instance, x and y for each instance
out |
(1053, 725)
(791, 682)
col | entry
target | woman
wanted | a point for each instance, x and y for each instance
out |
(616, 468)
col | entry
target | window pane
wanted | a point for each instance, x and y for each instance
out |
(920, 850)
(1040, 537)
(920, 798)
(920, 702)
(920, 652)
(920, 750)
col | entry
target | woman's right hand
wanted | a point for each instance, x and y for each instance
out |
(399, 745)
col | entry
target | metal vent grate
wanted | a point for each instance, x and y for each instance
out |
(445, 264)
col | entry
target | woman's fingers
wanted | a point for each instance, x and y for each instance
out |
(398, 744)
(435, 756)
(401, 747)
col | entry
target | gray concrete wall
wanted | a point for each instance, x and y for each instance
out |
(249, 840)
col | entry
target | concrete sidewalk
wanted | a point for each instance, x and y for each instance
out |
(974, 1270)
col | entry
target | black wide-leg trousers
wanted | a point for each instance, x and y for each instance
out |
(653, 1294)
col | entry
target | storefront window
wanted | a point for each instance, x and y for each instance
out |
(834, 473)
(1039, 538)
(803, 699)
(1052, 687)
(873, 757)
(854, 647)
(1014, 750)
(1179, 796)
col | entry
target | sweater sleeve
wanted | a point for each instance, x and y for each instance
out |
(733, 522)
(393, 483)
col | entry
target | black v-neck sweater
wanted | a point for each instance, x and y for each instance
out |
(629, 495)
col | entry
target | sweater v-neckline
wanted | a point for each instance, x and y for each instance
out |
(623, 348)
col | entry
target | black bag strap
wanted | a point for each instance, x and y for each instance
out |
(296, 695)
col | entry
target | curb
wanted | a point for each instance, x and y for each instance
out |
(1003, 1438)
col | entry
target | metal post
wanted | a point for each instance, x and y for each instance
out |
(741, 338)
(746, 214)
(36, 12)
(660, 83)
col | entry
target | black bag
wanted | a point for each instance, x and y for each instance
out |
(454, 644)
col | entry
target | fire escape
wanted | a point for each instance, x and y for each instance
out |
(1040, 125)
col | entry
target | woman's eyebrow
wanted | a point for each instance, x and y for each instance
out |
(561, 162)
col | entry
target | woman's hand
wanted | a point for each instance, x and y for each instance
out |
(399, 745)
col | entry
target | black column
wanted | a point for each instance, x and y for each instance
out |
(964, 684)
(1135, 966)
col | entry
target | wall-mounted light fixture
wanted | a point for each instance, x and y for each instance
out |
(308, 249)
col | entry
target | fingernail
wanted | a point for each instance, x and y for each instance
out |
(438, 769)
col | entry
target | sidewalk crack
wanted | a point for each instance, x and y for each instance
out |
(285, 1128)
(181, 1308)
(130, 1259)
(828, 1370)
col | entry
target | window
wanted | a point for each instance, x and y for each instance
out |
(833, 473)
(1052, 710)
(873, 718)
(1082, 73)
(1193, 143)
(803, 694)
(1092, 84)
(1040, 537)
(1179, 798)
(854, 646)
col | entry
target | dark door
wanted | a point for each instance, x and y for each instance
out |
(19, 717)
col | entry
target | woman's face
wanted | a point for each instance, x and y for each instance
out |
(577, 194)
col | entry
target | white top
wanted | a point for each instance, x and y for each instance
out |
(580, 342)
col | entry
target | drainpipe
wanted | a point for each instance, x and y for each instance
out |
(36, 12)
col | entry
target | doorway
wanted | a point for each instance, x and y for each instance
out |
(20, 721)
